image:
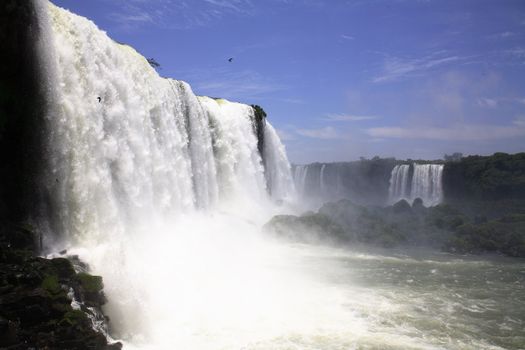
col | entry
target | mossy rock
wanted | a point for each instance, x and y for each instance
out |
(91, 284)
(50, 284)
(63, 267)
(73, 318)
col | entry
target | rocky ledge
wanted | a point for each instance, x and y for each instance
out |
(47, 303)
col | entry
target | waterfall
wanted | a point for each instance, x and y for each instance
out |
(157, 189)
(149, 148)
(425, 183)
(321, 179)
(300, 174)
(278, 171)
(399, 183)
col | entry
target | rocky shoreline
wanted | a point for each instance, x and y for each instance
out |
(47, 303)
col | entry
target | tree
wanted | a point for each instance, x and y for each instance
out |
(152, 62)
(454, 157)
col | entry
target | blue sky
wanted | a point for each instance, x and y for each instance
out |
(341, 79)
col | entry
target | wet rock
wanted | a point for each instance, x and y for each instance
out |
(35, 304)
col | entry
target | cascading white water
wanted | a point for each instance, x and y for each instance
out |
(300, 174)
(161, 192)
(399, 183)
(425, 183)
(278, 171)
(321, 179)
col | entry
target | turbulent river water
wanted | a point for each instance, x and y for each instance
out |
(241, 290)
(423, 300)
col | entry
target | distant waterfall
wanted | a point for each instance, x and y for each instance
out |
(425, 183)
(399, 182)
(321, 178)
(300, 174)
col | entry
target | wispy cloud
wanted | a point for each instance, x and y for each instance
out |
(516, 52)
(237, 85)
(175, 13)
(233, 5)
(487, 102)
(494, 102)
(321, 133)
(502, 35)
(347, 117)
(347, 37)
(519, 122)
(131, 18)
(453, 133)
(395, 68)
(285, 135)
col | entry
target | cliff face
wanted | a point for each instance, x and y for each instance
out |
(36, 309)
(364, 182)
(21, 108)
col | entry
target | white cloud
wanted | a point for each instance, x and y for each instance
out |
(234, 5)
(395, 68)
(347, 37)
(454, 133)
(487, 102)
(285, 135)
(347, 117)
(236, 85)
(516, 52)
(132, 18)
(502, 35)
(321, 133)
(176, 13)
(520, 122)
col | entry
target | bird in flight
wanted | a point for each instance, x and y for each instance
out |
(230, 59)
(99, 99)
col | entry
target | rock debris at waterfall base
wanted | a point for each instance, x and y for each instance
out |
(36, 309)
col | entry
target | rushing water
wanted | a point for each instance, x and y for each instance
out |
(425, 183)
(420, 300)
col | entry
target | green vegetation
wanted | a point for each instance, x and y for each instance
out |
(35, 309)
(259, 113)
(485, 178)
(503, 236)
(91, 284)
(443, 227)
(153, 63)
(51, 285)
(258, 127)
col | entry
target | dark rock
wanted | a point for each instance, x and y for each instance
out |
(402, 207)
(63, 267)
(115, 346)
(35, 310)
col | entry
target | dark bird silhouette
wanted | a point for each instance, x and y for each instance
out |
(99, 99)
(56, 180)
(230, 59)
